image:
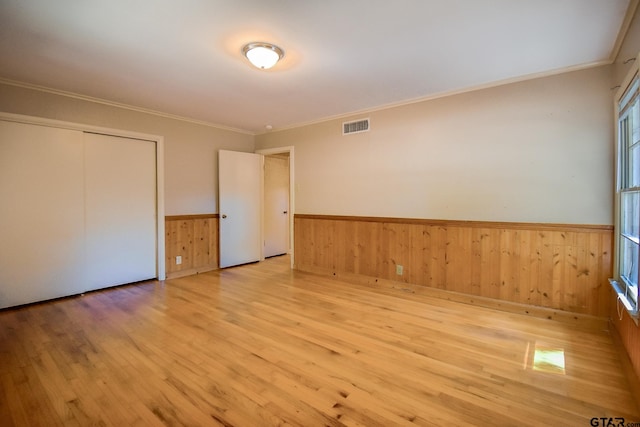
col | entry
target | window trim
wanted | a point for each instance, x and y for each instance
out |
(618, 283)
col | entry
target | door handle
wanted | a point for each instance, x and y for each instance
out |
(224, 216)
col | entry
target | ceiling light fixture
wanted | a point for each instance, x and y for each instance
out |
(263, 55)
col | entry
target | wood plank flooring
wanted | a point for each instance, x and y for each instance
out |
(262, 345)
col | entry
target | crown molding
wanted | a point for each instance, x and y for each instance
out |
(87, 98)
(624, 29)
(445, 94)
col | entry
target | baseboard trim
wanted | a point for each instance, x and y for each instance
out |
(191, 271)
(578, 320)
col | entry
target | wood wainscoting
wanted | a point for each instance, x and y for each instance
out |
(195, 239)
(626, 334)
(557, 266)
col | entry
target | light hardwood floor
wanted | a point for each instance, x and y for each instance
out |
(263, 345)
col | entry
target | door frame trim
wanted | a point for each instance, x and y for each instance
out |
(157, 139)
(280, 150)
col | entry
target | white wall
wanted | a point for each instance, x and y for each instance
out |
(191, 177)
(538, 151)
(628, 50)
(534, 151)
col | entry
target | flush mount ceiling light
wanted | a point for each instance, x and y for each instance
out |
(263, 55)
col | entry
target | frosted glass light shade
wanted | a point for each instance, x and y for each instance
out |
(263, 55)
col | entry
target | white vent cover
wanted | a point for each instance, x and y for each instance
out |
(355, 126)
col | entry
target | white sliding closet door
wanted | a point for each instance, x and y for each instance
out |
(41, 213)
(120, 205)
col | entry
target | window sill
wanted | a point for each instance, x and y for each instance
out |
(622, 298)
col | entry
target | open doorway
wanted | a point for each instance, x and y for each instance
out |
(278, 204)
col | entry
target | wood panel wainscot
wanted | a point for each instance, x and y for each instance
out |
(552, 266)
(626, 334)
(194, 238)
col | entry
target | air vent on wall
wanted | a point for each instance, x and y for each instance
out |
(355, 126)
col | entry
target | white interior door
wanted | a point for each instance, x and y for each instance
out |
(120, 183)
(240, 205)
(41, 213)
(276, 205)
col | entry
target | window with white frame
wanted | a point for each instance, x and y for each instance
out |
(628, 197)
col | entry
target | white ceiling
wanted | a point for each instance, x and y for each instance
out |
(183, 57)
